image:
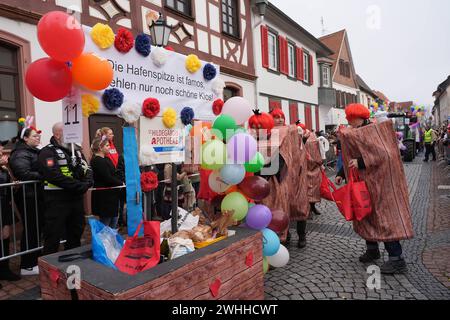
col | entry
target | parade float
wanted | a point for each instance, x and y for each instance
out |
(163, 97)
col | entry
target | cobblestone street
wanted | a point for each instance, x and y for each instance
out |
(328, 268)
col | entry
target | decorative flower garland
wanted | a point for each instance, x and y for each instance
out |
(112, 99)
(187, 115)
(143, 44)
(89, 105)
(217, 87)
(124, 41)
(151, 107)
(149, 181)
(130, 112)
(102, 35)
(193, 63)
(169, 117)
(159, 56)
(209, 72)
(217, 106)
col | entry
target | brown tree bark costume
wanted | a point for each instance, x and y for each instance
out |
(385, 179)
(314, 161)
(289, 195)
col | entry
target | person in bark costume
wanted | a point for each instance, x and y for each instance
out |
(282, 146)
(373, 150)
(314, 176)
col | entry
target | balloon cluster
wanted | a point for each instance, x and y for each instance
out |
(376, 107)
(418, 111)
(231, 154)
(62, 39)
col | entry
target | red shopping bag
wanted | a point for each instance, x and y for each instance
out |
(343, 199)
(139, 254)
(325, 187)
(361, 203)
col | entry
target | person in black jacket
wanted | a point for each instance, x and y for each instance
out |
(67, 178)
(105, 203)
(24, 166)
(6, 218)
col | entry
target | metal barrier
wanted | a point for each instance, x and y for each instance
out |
(14, 189)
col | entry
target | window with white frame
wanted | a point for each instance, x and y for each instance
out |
(291, 57)
(306, 66)
(273, 51)
(326, 76)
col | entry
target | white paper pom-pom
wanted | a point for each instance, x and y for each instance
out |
(217, 87)
(147, 155)
(130, 112)
(159, 56)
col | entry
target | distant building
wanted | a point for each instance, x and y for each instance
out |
(365, 94)
(286, 67)
(343, 77)
(441, 109)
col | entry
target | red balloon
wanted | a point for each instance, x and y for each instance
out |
(256, 188)
(61, 36)
(280, 221)
(49, 80)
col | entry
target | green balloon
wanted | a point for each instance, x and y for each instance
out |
(223, 124)
(265, 265)
(236, 202)
(256, 164)
(214, 155)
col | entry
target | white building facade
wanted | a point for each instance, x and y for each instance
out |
(286, 68)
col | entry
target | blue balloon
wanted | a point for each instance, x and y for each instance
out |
(271, 243)
(232, 173)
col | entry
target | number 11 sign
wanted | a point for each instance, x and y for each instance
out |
(72, 117)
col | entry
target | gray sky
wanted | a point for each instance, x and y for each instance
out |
(406, 55)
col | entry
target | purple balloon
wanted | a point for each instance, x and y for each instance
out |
(242, 148)
(258, 217)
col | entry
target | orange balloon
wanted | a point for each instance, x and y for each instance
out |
(92, 71)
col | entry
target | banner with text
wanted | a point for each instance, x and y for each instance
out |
(169, 144)
(138, 78)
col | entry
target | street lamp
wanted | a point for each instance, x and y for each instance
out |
(261, 5)
(160, 32)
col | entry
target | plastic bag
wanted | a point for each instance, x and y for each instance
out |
(108, 237)
(186, 221)
(106, 242)
(179, 247)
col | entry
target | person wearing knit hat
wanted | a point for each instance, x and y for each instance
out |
(372, 150)
(278, 117)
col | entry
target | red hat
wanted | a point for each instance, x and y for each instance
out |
(277, 113)
(357, 110)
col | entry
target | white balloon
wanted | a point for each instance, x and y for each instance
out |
(238, 108)
(280, 259)
(216, 183)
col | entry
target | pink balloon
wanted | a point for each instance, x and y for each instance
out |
(238, 108)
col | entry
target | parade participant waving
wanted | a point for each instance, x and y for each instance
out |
(373, 150)
(67, 178)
